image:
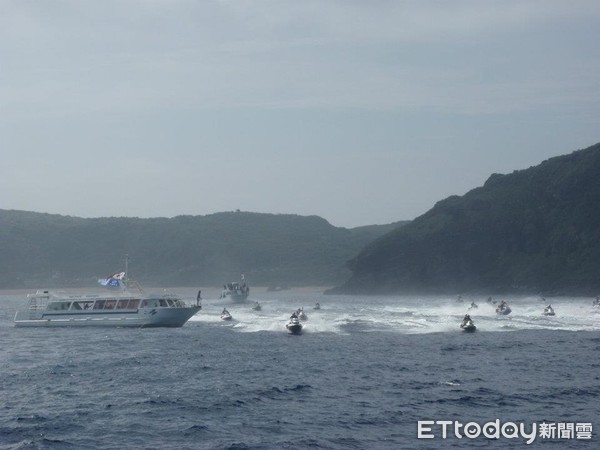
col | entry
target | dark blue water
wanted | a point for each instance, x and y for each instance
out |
(214, 385)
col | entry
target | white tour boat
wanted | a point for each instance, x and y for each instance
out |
(120, 309)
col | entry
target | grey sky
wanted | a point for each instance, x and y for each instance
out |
(361, 112)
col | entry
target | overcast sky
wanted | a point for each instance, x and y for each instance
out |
(361, 112)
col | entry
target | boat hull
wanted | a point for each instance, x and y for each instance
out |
(140, 318)
(294, 328)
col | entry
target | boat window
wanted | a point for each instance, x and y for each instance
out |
(133, 304)
(82, 305)
(163, 302)
(122, 304)
(110, 304)
(99, 304)
(58, 306)
(149, 303)
(171, 303)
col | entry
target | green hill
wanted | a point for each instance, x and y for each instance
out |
(532, 231)
(44, 250)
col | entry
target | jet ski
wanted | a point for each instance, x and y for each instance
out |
(473, 305)
(294, 326)
(468, 326)
(503, 309)
(301, 315)
(257, 307)
(225, 315)
(317, 306)
(549, 311)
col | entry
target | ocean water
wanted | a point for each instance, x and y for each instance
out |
(362, 375)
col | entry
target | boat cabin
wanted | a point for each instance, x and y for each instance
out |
(49, 302)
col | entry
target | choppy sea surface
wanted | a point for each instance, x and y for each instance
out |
(362, 375)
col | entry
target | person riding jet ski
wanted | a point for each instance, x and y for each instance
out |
(468, 324)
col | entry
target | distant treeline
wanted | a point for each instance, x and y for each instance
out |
(535, 231)
(45, 250)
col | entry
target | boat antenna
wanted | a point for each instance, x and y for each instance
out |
(126, 266)
(127, 281)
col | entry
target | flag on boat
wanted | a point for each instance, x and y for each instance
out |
(112, 281)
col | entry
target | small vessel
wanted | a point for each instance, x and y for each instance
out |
(225, 315)
(549, 311)
(503, 309)
(238, 292)
(294, 326)
(256, 307)
(468, 326)
(128, 307)
(301, 315)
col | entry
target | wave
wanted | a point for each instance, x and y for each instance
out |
(404, 315)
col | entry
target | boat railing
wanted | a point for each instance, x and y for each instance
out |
(34, 307)
(38, 303)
